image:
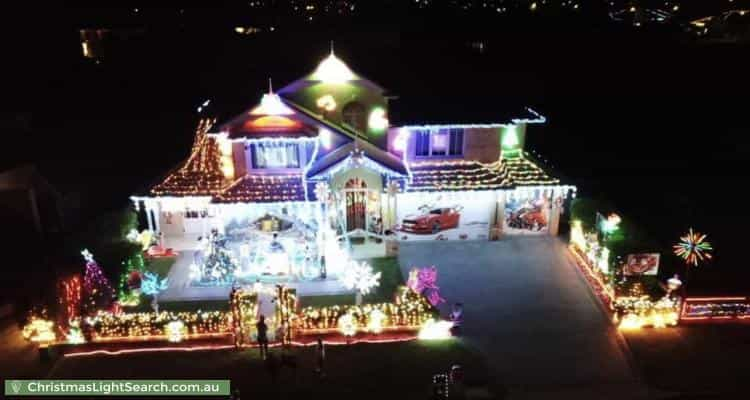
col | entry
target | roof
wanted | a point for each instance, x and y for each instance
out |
(272, 118)
(457, 175)
(263, 189)
(368, 149)
(431, 176)
(524, 172)
(330, 70)
(434, 110)
(200, 174)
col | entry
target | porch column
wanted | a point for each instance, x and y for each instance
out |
(157, 216)
(149, 215)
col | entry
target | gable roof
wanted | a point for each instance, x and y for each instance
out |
(200, 174)
(272, 118)
(369, 150)
(328, 69)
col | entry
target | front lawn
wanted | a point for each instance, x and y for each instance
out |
(363, 371)
(390, 279)
(160, 265)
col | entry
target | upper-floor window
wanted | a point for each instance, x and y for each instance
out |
(354, 115)
(284, 155)
(440, 142)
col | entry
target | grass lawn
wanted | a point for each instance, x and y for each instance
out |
(160, 265)
(362, 371)
(390, 279)
(710, 359)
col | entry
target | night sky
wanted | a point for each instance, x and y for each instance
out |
(649, 119)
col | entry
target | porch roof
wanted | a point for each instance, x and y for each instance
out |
(263, 189)
(370, 151)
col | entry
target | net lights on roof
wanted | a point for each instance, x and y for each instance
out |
(333, 70)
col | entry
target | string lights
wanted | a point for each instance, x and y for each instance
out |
(201, 174)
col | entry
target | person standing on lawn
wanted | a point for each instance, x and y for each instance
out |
(320, 357)
(262, 329)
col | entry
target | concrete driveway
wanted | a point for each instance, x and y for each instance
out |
(529, 312)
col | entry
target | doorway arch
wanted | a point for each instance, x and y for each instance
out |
(356, 204)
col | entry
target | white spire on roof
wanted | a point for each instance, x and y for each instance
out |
(271, 104)
(333, 70)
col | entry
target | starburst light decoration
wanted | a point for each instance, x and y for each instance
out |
(693, 248)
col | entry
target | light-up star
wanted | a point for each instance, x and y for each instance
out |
(87, 255)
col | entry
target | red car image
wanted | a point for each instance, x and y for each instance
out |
(433, 221)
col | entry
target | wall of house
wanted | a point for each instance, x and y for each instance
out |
(240, 159)
(482, 144)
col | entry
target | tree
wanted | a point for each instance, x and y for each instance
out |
(98, 294)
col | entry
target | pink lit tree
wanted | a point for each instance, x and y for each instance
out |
(98, 294)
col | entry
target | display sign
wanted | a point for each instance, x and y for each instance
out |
(642, 264)
(454, 216)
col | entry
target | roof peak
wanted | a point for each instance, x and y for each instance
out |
(333, 70)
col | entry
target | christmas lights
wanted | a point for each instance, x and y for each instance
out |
(377, 120)
(360, 277)
(408, 312)
(435, 330)
(97, 293)
(201, 173)
(39, 330)
(332, 70)
(146, 326)
(693, 248)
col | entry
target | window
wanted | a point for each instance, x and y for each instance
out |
(355, 116)
(456, 147)
(440, 143)
(275, 155)
(423, 143)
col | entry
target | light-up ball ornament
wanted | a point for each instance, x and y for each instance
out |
(375, 321)
(435, 330)
(175, 331)
(347, 325)
(326, 102)
(377, 120)
(333, 70)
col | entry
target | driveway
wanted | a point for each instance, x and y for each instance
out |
(527, 309)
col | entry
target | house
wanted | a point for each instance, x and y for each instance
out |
(319, 162)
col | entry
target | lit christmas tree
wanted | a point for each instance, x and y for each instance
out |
(130, 280)
(97, 292)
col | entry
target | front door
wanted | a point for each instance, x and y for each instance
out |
(356, 195)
